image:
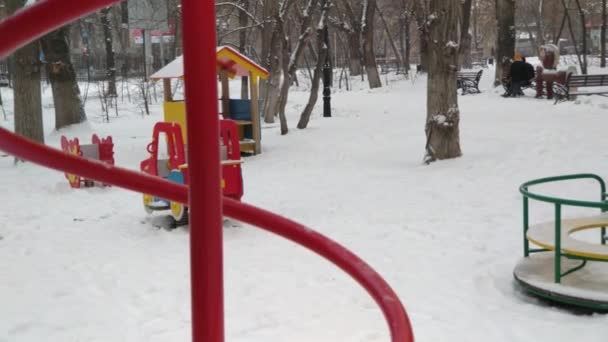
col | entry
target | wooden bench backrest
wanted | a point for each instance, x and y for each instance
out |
(469, 74)
(587, 80)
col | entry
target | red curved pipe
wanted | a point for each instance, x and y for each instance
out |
(380, 291)
(374, 284)
(43, 17)
(47, 15)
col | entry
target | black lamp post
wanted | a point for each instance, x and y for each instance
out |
(326, 77)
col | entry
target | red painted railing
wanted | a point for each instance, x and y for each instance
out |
(205, 200)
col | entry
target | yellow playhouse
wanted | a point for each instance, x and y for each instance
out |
(245, 111)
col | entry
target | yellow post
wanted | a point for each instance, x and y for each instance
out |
(225, 94)
(255, 113)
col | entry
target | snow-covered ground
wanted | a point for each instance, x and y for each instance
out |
(89, 264)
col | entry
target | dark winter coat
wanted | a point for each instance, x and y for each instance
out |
(521, 72)
(530, 71)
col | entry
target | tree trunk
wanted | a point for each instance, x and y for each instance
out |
(603, 36)
(404, 38)
(443, 115)
(582, 62)
(243, 22)
(408, 46)
(476, 24)
(27, 98)
(323, 50)
(110, 65)
(581, 13)
(421, 21)
(290, 60)
(373, 77)
(540, 24)
(558, 36)
(270, 11)
(355, 52)
(284, 88)
(26, 87)
(66, 94)
(273, 84)
(464, 53)
(505, 45)
(390, 40)
(354, 38)
(314, 91)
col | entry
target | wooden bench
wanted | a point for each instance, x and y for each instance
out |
(468, 81)
(574, 83)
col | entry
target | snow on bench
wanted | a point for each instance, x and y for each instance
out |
(468, 81)
(597, 83)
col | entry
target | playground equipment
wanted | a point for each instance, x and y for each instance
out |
(204, 194)
(175, 168)
(245, 112)
(551, 272)
(99, 149)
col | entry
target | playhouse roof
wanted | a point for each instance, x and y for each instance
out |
(228, 58)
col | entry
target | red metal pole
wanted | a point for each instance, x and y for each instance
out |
(43, 17)
(205, 195)
(206, 259)
(399, 324)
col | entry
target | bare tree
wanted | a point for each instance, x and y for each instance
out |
(540, 22)
(271, 50)
(443, 115)
(421, 10)
(581, 13)
(26, 86)
(505, 45)
(269, 7)
(389, 36)
(369, 56)
(243, 22)
(351, 25)
(110, 64)
(404, 33)
(464, 53)
(603, 36)
(582, 60)
(321, 56)
(290, 60)
(66, 94)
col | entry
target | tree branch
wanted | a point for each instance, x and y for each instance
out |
(240, 8)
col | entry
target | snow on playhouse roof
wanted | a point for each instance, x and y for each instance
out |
(228, 58)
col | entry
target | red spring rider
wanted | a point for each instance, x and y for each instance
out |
(175, 168)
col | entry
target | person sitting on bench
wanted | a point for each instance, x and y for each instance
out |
(520, 74)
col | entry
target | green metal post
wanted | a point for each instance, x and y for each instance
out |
(558, 242)
(526, 226)
(603, 232)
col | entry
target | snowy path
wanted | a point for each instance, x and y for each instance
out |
(89, 266)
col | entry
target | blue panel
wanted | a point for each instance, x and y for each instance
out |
(240, 109)
(176, 176)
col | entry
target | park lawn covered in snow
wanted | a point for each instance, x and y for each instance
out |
(90, 265)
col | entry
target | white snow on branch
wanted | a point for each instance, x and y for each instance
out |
(321, 24)
(452, 44)
(240, 8)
